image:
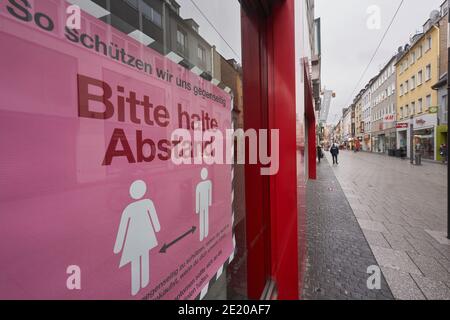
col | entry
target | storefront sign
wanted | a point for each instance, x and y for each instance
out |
(91, 206)
(389, 118)
(420, 121)
(402, 125)
(433, 109)
(425, 121)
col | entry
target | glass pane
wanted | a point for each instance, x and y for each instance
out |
(88, 114)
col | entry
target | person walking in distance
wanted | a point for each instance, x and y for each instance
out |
(443, 152)
(334, 153)
(319, 152)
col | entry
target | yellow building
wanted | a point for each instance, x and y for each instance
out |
(417, 71)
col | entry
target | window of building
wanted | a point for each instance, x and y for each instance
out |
(413, 57)
(419, 52)
(420, 105)
(402, 92)
(413, 82)
(429, 43)
(428, 101)
(428, 72)
(413, 108)
(151, 14)
(147, 11)
(419, 78)
(181, 42)
(406, 86)
(402, 115)
(201, 52)
(133, 3)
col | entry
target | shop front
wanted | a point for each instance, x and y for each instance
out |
(367, 143)
(403, 137)
(441, 139)
(378, 140)
(424, 143)
(425, 135)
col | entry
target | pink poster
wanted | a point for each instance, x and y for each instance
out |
(91, 204)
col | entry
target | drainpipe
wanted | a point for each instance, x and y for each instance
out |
(411, 139)
(448, 99)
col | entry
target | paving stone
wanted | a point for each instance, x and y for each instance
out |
(419, 233)
(394, 259)
(376, 239)
(433, 290)
(402, 285)
(444, 262)
(398, 242)
(361, 214)
(423, 247)
(396, 229)
(372, 225)
(430, 267)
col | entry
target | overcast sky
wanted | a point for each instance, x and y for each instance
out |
(348, 44)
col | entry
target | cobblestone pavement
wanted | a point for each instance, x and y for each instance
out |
(338, 254)
(402, 210)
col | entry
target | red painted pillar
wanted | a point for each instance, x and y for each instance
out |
(282, 116)
(268, 58)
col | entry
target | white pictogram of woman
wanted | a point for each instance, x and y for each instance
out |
(136, 224)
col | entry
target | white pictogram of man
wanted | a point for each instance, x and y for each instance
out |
(203, 200)
(136, 236)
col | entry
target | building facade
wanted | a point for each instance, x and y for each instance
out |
(383, 113)
(367, 116)
(359, 123)
(417, 70)
(347, 126)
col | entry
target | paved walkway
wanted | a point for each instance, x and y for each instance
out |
(402, 210)
(338, 254)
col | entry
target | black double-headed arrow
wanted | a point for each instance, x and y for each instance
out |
(168, 245)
